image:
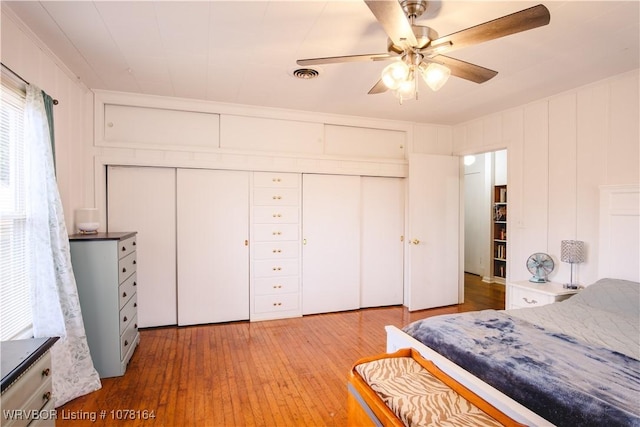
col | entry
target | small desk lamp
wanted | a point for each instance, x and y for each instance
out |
(572, 251)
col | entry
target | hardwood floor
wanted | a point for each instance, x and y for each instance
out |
(276, 373)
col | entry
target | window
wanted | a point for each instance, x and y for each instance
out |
(15, 305)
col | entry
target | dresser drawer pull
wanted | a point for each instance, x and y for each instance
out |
(135, 284)
(277, 233)
(124, 249)
(124, 295)
(277, 197)
(277, 286)
(277, 304)
(277, 251)
(276, 180)
(124, 319)
(277, 268)
(47, 396)
(126, 343)
(134, 243)
(124, 270)
(529, 301)
(277, 215)
(134, 262)
(46, 372)
(135, 304)
(135, 325)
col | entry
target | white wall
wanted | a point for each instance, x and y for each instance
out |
(560, 151)
(26, 55)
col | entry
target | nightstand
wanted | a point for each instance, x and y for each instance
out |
(528, 294)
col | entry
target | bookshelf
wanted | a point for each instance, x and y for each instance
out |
(499, 233)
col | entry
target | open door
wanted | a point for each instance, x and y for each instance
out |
(433, 231)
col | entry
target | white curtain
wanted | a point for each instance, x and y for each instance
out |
(54, 295)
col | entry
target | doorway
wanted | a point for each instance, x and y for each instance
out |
(482, 173)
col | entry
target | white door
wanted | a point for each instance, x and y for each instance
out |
(143, 199)
(213, 252)
(331, 245)
(382, 247)
(475, 208)
(433, 239)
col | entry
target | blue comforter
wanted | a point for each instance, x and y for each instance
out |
(564, 380)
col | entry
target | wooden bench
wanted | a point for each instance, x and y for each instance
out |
(404, 389)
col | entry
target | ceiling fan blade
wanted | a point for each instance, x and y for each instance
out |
(379, 87)
(348, 58)
(393, 21)
(524, 20)
(466, 70)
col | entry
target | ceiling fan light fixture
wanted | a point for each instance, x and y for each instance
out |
(434, 75)
(394, 74)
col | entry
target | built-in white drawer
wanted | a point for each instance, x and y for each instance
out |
(32, 390)
(276, 285)
(275, 232)
(275, 268)
(276, 180)
(276, 196)
(128, 338)
(128, 312)
(275, 215)
(125, 247)
(126, 267)
(271, 303)
(127, 289)
(276, 250)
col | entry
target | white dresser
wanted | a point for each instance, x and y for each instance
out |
(528, 294)
(275, 246)
(104, 265)
(27, 392)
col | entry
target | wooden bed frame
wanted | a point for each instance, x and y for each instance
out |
(619, 218)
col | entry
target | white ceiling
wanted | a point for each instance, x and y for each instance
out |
(243, 52)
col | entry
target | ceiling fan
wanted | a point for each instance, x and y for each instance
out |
(419, 48)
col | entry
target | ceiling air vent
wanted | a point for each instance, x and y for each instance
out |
(305, 73)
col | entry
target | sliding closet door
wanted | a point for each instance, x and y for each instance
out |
(382, 248)
(213, 252)
(331, 245)
(143, 199)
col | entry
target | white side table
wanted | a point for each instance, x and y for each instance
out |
(528, 294)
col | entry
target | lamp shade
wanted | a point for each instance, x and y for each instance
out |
(395, 74)
(434, 75)
(572, 251)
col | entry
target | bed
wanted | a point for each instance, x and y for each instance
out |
(575, 362)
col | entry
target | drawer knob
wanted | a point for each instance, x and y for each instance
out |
(126, 343)
(276, 180)
(47, 396)
(124, 249)
(277, 286)
(529, 301)
(134, 262)
(124, 295)
(277, 268)
(276, 304)
(277, 197)
(135, 284)
(124, 270)
(135, 304)
(135, 325)
(46, 372)
(134, 243)
(124, 319)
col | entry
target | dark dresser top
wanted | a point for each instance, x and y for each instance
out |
(103, 236)
(18, 355)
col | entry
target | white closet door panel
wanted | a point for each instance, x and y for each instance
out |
(434, 187)
(331, 255)
(213, 257)
(382, 254)
(144, 200)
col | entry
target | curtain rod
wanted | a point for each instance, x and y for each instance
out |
(55, 101)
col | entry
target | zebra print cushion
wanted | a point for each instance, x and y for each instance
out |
(417, 397)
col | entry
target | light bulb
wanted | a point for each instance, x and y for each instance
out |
(395, 74)
(434, 75)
